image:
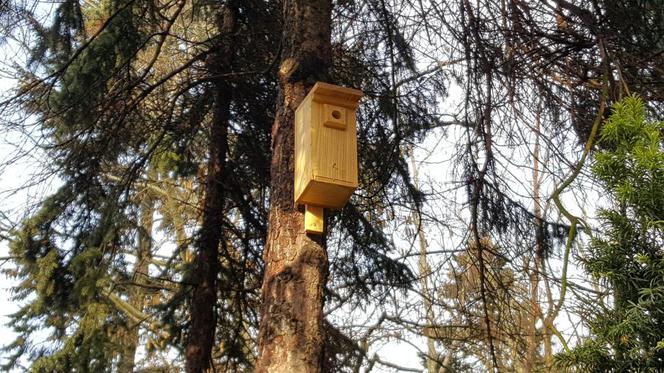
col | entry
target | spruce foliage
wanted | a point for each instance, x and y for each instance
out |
(124, 96)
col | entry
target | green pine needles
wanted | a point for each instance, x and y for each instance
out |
(627, 254)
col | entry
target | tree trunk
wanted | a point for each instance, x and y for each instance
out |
(536, 259)
(547, 333)
(446, 365)
(137, 293)
(198, 352)
(533, 339)
(425, 273)
(291, 315)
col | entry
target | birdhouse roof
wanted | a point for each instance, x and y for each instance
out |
(333, 94)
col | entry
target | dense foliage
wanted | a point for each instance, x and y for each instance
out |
(626, 254)
(154, 119)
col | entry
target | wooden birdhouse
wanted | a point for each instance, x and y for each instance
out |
(325, 151)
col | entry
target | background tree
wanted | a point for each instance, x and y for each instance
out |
(107, 121)
(626, 256)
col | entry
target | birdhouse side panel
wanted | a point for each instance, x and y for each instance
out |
(303, 159)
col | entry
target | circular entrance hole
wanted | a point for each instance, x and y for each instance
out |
(336, 114)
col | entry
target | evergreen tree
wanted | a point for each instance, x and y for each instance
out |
(127, 95)
(627, 255)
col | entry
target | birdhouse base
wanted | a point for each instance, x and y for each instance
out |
(321, 191)
(313, 219)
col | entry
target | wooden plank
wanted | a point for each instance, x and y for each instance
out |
(337, 95)
(313, 219)
(334, 117)
(336, 151)
(303, 161)
(326, 194)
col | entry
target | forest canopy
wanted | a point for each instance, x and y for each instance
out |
(508, 214)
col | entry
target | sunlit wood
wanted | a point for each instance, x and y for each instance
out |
(326, 146)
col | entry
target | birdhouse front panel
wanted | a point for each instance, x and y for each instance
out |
(326, 146)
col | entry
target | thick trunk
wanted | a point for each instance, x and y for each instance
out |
(203, 299)
(137, 293)
(291, 315)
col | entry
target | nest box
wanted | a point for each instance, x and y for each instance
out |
(325, 149)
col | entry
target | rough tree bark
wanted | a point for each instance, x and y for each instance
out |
(291, 315)
(200, 340)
